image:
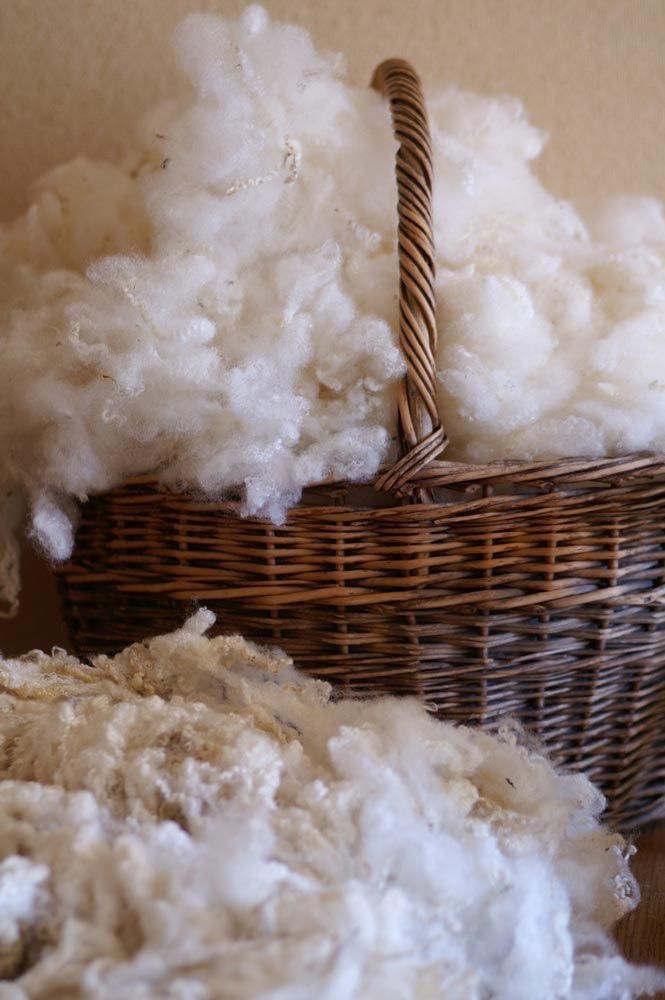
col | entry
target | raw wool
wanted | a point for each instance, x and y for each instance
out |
(552, 333)
(192, 818)
(221, 307)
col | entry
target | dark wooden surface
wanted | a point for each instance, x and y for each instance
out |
(641, 935)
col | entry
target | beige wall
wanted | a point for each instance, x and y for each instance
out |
(75, 73)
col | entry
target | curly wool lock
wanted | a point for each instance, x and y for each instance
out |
(192, 818)
(221, 307)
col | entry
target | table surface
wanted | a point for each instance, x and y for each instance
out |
(641, 935)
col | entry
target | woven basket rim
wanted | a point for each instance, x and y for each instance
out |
(542, 476)
(607, 466)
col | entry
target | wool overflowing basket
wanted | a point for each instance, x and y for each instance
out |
(528, 590)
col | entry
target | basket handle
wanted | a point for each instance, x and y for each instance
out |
(422, 437)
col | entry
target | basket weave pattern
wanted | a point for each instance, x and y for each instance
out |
(530, 590)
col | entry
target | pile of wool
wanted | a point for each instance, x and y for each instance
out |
(220, 307)
(192, 818)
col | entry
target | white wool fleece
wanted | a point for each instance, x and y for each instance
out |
(193, 819)
(221, 307)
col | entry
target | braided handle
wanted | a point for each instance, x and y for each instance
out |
(421, 435)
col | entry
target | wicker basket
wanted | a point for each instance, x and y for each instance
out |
(534, 590)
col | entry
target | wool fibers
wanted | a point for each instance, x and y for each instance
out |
(220, 307)
(193, 819)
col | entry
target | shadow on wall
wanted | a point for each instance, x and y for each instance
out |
(39, 623)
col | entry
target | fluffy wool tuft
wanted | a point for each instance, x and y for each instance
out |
(191, 818)
(220, 308)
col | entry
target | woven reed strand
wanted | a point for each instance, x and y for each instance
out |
(531, 590)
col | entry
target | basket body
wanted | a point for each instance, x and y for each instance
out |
(539, 597)
(532, 591)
